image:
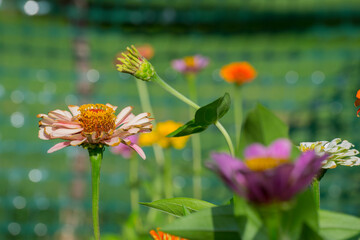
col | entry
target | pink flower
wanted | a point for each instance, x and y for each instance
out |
(190, 65)
(267, 174)
(124, 150)
(93, 124)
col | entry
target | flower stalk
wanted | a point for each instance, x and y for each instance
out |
(186, 100)
(195, 141)
(96, 155)
(134, 63)
(237, 114)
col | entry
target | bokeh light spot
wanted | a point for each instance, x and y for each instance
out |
(17, 119)
(31, 8)
(35, 175)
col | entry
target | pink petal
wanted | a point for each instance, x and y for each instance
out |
(60, 114)
(58, 146)
(77, 142)
(280, 149)
(138, 150)
(62, 132)
(43, 135)
(66, 125)
(113, 141)
(135, 120)
(113, 107)
(255, 150)
(122, 115)
(74, 110)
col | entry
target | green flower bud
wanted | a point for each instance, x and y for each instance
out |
(135, 64)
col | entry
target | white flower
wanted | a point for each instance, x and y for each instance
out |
(339, 152)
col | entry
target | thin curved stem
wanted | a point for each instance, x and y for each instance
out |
(171, 90)
(96, 155)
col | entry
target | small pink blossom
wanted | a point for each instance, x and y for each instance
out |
(92, 124)
(190, 65)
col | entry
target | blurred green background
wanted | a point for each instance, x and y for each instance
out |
(56, 53)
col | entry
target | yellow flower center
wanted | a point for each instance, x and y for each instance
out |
(312, 147)
(262, 164)
(97, 118)
(189, 61)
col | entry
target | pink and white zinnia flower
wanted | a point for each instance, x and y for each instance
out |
(92, 124)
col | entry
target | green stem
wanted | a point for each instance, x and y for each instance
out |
(96, 155)
(315, 187)
(158, 151)
(171, 90)
(168, 181)
(195, 141)
(134, 187)
(237, 114)
(272, 219)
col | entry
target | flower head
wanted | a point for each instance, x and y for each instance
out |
(190, 64)
(238, 73)
(339, 153)
(159, 134)
(357, 102)
(159, 235)
(267, 175)
(93, 124)
(134, 63)
(124, 150)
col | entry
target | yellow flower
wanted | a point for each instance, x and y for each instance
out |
(158, 136)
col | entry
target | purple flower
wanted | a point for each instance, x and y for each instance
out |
(267, 175)
(190, 65)
(124, 150)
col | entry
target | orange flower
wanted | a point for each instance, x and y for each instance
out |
(159, 235)
(238, 73)
(357, 102)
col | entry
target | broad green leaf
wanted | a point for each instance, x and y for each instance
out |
(175, 206)
(303, 211)
(253, 221)
(217, 223)
(204, 117)
(338, 226)
(263, 126)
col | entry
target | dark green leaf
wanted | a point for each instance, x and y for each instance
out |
(217, 223)
(175, 206)
(204, 117)
(338, 226)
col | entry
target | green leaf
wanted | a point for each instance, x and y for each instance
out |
(302, 212)
(263, 126)
(217, 223)
(253, 221)
(204, 117)
(175, 206)
(338, 226)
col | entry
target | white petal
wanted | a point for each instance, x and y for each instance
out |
(74, 110)
(113, 107)
(122, 115)
(62, 132)
(113, 141)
